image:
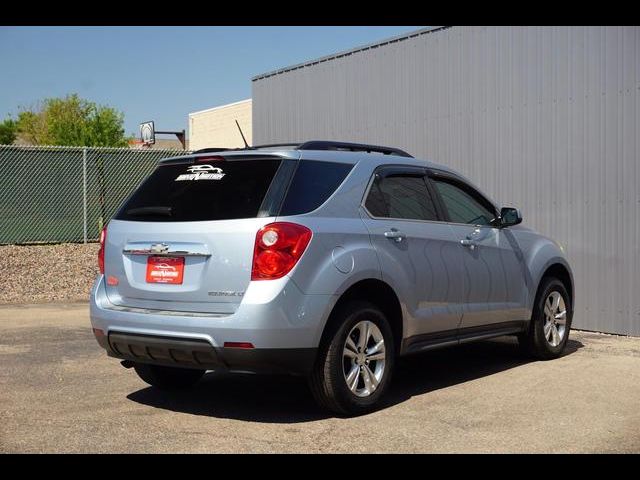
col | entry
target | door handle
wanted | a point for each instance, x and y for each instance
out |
(395, 234)
(467, 242)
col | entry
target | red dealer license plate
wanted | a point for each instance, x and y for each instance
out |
(165, 270)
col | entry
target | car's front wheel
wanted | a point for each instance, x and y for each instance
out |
(168, 378)
(355, 361)
(550, 321)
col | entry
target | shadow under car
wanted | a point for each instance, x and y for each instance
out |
(286, 399)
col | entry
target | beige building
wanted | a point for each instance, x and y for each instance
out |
(216, 127)
(161, 144)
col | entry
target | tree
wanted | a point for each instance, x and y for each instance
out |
(8, 131)
(72, 121)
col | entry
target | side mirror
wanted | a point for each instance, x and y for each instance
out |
(509, 216)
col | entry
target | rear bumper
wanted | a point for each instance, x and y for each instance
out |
(285, 330)
(193, 353)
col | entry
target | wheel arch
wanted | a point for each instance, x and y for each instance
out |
(560, 271)
(380, 294)
(544, 257)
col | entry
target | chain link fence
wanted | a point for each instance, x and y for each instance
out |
(66, 194)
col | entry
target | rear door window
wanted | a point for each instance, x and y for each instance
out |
(401, 195)
(218, 190)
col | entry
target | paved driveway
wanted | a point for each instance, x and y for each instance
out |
(60, 393)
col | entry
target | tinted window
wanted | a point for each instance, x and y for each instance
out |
(312, 184)
(401, 196)
(203, 191)
(463, 205)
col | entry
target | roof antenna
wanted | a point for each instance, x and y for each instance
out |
(242, 134)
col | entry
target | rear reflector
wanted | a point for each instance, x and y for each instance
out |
(238, 345)
(101, 338)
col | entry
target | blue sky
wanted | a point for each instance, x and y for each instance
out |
(158, 73)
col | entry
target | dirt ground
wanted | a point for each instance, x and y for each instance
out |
(59, 392)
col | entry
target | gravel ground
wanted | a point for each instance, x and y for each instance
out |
(47, 273)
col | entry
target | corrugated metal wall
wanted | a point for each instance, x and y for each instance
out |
(547, 119)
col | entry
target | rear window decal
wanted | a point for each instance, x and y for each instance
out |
(201, 172)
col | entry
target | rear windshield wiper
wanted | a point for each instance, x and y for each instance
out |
(139, 211)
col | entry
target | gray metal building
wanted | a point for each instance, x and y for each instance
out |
(544, 118)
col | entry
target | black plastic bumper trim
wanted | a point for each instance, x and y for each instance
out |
(200, 354)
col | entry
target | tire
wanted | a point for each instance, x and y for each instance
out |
(539, 341)
(168, 378)
(328, 381)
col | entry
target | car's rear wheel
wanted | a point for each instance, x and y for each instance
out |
(168, 378)
(550, 322)
(355, 361)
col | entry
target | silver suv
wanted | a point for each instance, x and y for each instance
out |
(323, 259)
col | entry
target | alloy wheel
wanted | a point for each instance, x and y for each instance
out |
(363, 358)
(555, 319)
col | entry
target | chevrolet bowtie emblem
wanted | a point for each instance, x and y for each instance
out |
(159, 248)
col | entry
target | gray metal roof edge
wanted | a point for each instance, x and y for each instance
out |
(344, 53)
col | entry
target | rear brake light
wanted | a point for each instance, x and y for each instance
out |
(278, 248)
(210, 159)
(103, 240)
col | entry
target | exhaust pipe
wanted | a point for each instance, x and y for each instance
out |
(126, 363)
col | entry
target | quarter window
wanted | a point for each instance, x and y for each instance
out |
(463, 206)
(313, 183)
(401, 196)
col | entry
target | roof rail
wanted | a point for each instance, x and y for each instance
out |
(274, 145)
(352, 147)
(319, 145)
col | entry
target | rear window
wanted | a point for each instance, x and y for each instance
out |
(312, 184)
(220, 190)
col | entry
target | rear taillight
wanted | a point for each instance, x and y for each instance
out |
(103, 240)
(278, 248)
